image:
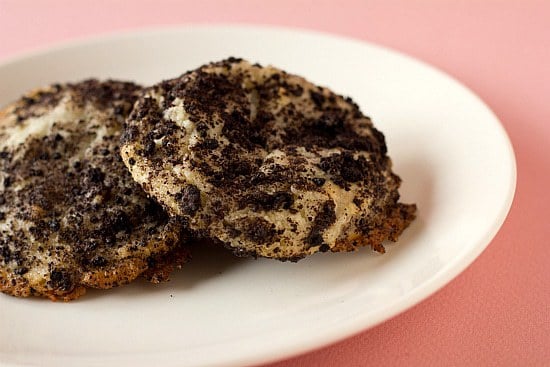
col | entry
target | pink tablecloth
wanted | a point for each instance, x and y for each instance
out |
(498, 311)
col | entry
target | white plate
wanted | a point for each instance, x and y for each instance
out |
(454, 157)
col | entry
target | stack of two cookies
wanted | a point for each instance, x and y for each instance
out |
(101, 182)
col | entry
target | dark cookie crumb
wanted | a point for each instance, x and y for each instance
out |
(259, 230)
(189, 199)
(322, 221)
(61, 280)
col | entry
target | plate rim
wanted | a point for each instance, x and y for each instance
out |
(442, 278)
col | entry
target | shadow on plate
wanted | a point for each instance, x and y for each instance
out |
(208, 262)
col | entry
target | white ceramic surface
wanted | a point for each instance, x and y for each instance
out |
(453, 155)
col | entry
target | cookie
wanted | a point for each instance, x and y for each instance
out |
(71, 216)
(265, 162)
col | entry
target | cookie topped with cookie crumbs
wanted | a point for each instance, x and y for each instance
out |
(265, 162)
(71, 216)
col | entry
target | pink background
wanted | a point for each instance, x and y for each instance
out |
(496, 313)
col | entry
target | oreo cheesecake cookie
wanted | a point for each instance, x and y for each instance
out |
(71, 216)
(264, 162)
